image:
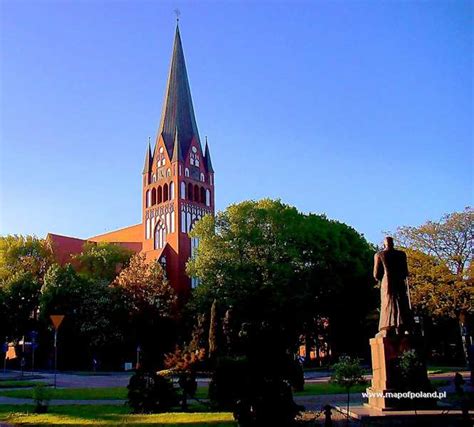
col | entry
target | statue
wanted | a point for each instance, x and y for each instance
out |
(391, 271)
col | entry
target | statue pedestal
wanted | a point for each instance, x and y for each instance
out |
(386, 372)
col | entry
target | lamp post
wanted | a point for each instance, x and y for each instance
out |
(56, 320)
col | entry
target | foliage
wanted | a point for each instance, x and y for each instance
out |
(20, 294)
(440, 264)
(102, 260)
(270, 263)
(434, 290)
(441, 269)
(450, 240)
(144, 287)
(272, 405)
(150, 393)
(184, 359)
(348, 372)
(24, 254)
(90, 308)
(412, 370)
(149, 303)
(229, 382)
(41, 397)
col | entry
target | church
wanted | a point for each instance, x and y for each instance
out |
(177, 188)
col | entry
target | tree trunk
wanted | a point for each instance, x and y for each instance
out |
(465, 335)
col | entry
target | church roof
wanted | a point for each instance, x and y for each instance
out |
(207, 157)
(148, 158)
(177, 117)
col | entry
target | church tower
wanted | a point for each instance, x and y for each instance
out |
(178, 179)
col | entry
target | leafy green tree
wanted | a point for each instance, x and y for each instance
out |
(102, 260)
(92, 313)
(149, 303)
(20, 293)
(24, 253)
(347, 373)
(145, 288)
(273, 264)
(440, 263)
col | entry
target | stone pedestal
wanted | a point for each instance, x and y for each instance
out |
(386, 374)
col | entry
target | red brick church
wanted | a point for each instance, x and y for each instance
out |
(177, 187)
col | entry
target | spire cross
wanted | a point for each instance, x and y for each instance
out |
(178, 14)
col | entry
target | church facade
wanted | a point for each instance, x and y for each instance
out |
(177, 187)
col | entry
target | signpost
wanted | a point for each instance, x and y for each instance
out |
(34, 346)
(56, 320)
(5, 350)
(137, 366)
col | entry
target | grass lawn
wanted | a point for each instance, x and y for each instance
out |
(312, 389)
(120, 393)
(109, 415)
(105, 393)
(19, 383)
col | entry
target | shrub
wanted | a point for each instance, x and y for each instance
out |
(228, 382)
(151, 393)
(41, 397)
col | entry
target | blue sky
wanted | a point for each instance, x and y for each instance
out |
(362, 110)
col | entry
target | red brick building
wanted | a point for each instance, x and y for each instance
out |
(177, 187)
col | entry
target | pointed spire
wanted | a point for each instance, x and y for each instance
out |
(148, 158)
(207, 156)
(177, 155)
(178, 112)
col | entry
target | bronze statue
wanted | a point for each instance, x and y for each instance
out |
(391, 270)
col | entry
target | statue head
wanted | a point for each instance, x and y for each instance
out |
(388, 242)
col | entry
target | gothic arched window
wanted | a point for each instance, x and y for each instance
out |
(196, 193)
(159, 195)
(153, 197)
(165, 192)
(171, 190)
(183, 190)
(190, 192)
(160, 235)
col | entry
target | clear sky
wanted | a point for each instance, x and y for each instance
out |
(362, 110)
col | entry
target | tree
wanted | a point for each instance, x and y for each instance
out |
(20, 299)
(149, 302)
(278, 271)
(92, 313)
(273, 264)
(440, 263)
(347, 373)
(450, 240)
(24, 253)
(213, 330)
(102, 260)
(145, 288)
